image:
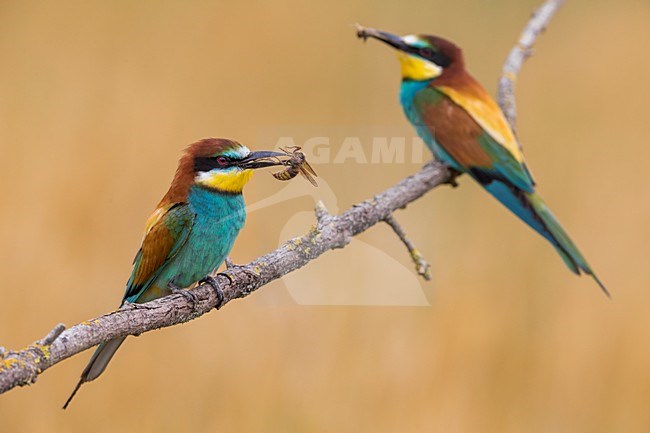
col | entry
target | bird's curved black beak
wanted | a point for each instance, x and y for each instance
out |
(387, 38)
(261, 159)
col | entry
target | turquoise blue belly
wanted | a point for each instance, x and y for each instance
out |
(219, 218)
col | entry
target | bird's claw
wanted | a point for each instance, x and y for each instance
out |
(231, 265)
(188, 295)
(216, 287)
(453, 174)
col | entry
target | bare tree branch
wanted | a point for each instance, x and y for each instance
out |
(519, 53)
(422, 267)
(22, 367)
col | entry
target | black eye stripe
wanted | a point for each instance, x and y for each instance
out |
(435, 56)
(202, 163)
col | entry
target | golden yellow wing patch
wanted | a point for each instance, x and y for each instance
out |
(485, 111)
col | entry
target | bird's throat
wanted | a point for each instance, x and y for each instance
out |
(416, 68)
(227, 182)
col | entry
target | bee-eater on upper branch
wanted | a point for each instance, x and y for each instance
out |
(466, 130)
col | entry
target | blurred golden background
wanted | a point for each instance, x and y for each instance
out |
(97, 99)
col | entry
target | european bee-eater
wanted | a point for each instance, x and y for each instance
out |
(191, 231)
(466, 130)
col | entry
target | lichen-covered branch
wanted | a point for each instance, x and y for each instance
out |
(22, 367)
(519, 53)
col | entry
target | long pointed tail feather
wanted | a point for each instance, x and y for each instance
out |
(97, 364)
(533, 211)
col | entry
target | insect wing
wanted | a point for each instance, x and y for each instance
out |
(307, 171)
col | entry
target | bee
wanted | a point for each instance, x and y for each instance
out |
(294, 165)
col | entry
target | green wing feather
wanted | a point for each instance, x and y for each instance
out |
(506, 165)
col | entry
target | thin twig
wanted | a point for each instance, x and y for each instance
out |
(52, 335)
(321, 213)
(422, 267)
(519, 53)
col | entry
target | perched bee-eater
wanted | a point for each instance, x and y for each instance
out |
(466, 130)
(191, 231)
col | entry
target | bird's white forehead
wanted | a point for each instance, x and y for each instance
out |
(415, 41)
(411, 39)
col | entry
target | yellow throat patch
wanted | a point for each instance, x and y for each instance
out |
(226, 181)
(416, 68)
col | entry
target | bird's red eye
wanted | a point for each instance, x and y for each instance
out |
(222, 161)
(426, 52)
